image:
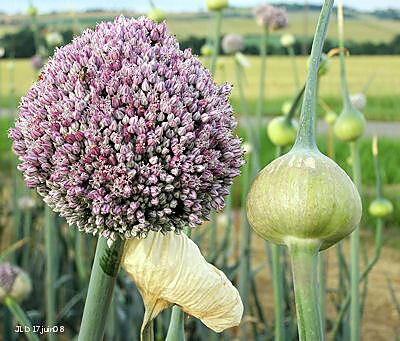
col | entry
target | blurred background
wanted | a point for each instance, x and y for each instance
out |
(29, 33)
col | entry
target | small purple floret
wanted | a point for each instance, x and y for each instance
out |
(124, 133)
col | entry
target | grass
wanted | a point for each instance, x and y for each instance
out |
(383, 94)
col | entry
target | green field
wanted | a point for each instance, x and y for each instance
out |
(360, 27)
(383, 94)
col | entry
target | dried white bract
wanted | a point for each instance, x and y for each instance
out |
(170, 269)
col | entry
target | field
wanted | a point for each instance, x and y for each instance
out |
(383, 93)
(361, 27)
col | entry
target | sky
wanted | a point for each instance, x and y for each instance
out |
(169, 5)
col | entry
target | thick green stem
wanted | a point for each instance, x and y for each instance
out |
(102, 280)
(343, 79)
(261, 94)
(217, 37)
(51, 269)
(306, 134)
(21, 317)
(176, 331)
(322, 288)
(294, 66)
(304, 257)
(355, 253)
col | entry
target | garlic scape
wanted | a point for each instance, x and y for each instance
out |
(380, 207)
(170, 269)
(304, 200)
(350, 124)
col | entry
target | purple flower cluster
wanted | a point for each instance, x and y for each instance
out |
(271, 17)
(124, 133)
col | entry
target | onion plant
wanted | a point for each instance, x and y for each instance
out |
(349, 127)
(287, 41)
(216, 6)
(117, 175)
(278, 209)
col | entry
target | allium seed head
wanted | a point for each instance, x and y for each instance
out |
(273, 18)
(232, 43)
(14, 282)
(125, 133)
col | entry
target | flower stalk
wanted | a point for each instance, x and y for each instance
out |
(100, 291)
(217, 37)
(304, 257)
(261, 88)
(51, 269)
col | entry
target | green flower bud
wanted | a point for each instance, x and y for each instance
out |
(156, 14)
(303, 194)
(217, 5)
(330, 117)
(32, 11)
(350, 125)
(206, 50)
(281, 131)
(380, 208)
(14, 282)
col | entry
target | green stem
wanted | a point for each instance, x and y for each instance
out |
(294, 66)
(362, 277)
(355, 253)
(217, 37)
(378, 178)
(244, 245)
(330, 142)
(295, 104)
(21, 317)
(304, 257)
(102, 280)
(306, 134)
(51, 269)
(176, 331)
(322, 288)
(261, 94)
(80, 256)
(243, 103)
(343, 80)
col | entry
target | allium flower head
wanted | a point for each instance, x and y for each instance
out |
(2, 51)
(271, 17)
(124, 133)
(232, 43)
(14, 282)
